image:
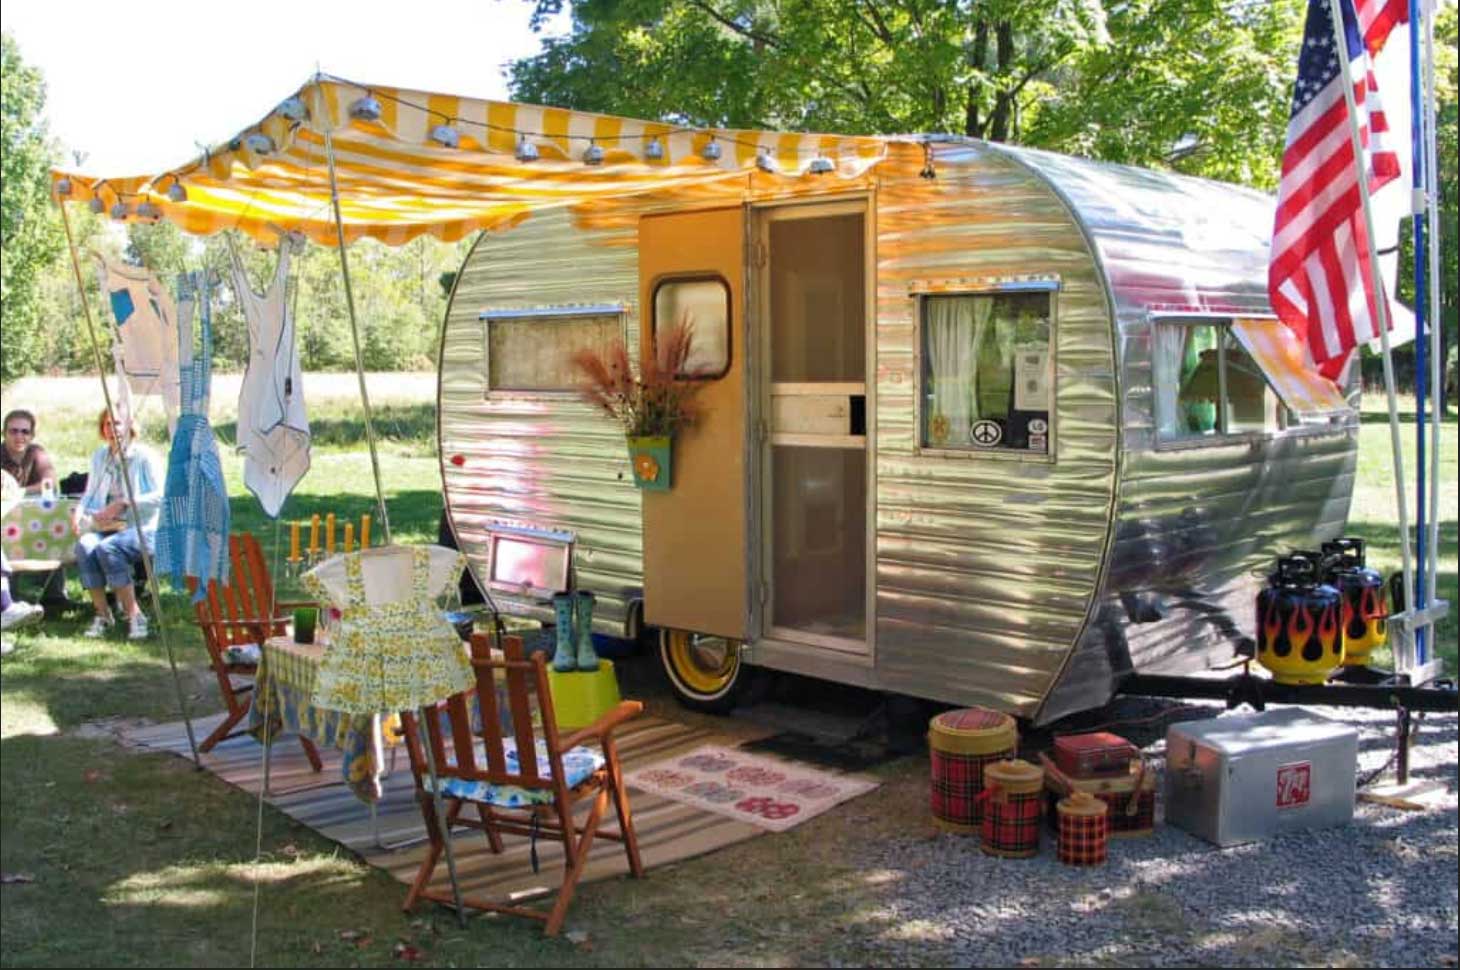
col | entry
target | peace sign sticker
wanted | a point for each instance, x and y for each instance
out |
(986, 434)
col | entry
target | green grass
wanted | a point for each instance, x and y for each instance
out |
(139, 860)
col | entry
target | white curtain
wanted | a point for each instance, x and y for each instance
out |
(1168, 350)
(955, 329)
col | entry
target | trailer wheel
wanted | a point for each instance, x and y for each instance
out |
(705, 672)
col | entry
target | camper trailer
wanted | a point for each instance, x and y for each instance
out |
(982, 425)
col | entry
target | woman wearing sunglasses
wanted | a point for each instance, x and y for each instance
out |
(25, 460)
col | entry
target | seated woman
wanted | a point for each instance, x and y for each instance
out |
(25, 460)
(111, 533)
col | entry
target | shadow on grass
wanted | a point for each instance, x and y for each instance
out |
(408, 423)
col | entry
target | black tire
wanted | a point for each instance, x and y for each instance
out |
(706, 673)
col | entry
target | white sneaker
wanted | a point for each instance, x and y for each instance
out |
(21, 614)
(137, 627)
(6, 645)
(100, 627)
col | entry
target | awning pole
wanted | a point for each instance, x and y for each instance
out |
(1437, 361)
(1420, 230)
(329, 150)
(123, 441)
(1404, 656)
(426, 713)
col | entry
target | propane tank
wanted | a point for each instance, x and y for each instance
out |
(1298, 636)
(1365, 606)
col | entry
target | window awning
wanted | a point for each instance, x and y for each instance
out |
(1277, 351)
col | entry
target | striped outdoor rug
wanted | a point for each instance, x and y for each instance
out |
(395, 841)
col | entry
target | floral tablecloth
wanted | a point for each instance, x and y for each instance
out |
(285, 684)
(39, 527)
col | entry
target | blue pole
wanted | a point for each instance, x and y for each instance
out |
(1421, 292)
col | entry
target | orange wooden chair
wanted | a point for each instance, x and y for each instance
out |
(529, 796)
(241, 613)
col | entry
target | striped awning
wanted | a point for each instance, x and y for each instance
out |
(412, 163)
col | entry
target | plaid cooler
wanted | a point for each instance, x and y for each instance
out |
(1013, 808)
(1084, 830)
(962, 745)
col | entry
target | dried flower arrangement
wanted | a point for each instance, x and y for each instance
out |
(653, 403)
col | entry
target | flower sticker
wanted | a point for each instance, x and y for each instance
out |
(646, 469)
(59, 530)
(12, 531)
(938, 428)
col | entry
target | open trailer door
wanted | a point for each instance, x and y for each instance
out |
(695, 557)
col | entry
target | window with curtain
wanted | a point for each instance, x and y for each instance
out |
(533, 351)
(1207, 385)
(703, 304)
(988, 371)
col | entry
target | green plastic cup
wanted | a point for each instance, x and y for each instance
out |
(304, 620)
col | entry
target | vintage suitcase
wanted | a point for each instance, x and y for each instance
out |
(1131, 796)
(1252, 776)
(1099, 753)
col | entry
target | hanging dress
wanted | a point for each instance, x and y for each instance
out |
(145, 351)
(192, 536)
(273, 429)
(390, 656)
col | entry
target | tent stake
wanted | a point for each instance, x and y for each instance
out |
(329, 150)
(106, 394)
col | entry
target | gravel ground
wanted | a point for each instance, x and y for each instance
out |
(1379, 892)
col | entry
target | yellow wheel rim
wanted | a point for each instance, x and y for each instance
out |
(704, 665)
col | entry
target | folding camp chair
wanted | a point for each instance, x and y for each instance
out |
(529, 796)
(241, 613)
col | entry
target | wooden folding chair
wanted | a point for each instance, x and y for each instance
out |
(239, 613)
(529, 796)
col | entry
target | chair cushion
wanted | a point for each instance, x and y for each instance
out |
(242, 655)
(579, 764)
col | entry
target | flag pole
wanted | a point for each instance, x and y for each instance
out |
(1437, 387)
(1403, 657)
(1420, 230)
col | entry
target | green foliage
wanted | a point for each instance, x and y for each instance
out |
(1201, 85)
(30, 235)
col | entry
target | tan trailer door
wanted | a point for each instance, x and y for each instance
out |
(695, 556)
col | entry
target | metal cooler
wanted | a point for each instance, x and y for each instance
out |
(1252, 776)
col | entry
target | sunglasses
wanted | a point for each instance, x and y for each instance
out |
(25, 431)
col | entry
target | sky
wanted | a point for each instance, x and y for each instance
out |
(135, 84)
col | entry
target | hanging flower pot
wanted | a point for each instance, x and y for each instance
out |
(650, 459)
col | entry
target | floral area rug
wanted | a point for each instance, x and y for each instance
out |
(764, 791)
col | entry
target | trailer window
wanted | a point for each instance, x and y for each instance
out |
(702, 302)
(988, 371)
(1207, 385)
(533, 351)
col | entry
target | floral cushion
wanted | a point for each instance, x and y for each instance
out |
(242, 654)
(579, 764)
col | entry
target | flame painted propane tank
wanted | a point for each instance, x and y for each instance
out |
(1365, 610)
(1298, 636)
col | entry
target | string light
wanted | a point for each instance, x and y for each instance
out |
(821, 165)
(63, 187)
(654, 151)
(711, 151)
(366, 109)
(294, 109)
(148, 210)
(526, 150)
(593, 155)
(765, 162)
(120, 210)
(446, 136)
(176, 191)
(260, 143)
(97, 205)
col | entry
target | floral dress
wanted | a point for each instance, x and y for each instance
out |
(392, 656)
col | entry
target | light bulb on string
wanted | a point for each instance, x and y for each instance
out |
(365, 109)
(260, 143)
(148, 210)
(526, 150)
(654, 151)
(765, 162)
(120, 210)
(63, 187)
(446, 136)
(593, 155)
(294, 109)
(711, 151)
(821, 165)
(97, 205)
(176, 191)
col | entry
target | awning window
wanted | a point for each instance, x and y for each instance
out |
(1275, 348)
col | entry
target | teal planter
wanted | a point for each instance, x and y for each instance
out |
(650, 462)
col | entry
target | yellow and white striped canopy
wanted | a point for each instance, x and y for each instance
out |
(412, 163)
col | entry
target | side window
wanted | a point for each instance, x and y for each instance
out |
(987, 371)
(703, 304)
(532, 350)
(1207, 385)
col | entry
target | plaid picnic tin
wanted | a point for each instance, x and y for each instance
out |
(1098, 753)
(962, 745)
(1013, 803)
(1083, 830)
(1131, 796)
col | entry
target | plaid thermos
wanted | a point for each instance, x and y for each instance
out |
(1013, 804)
(962, 745)
(1084, 829)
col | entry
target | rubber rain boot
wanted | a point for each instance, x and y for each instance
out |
(583, 629)
(563, 660)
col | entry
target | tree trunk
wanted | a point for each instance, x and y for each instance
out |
(978, 57)
(999, 124)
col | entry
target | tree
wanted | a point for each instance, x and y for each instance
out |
(29, 234)
(1197, 84)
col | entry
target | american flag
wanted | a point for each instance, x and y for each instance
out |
(1319, 279)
